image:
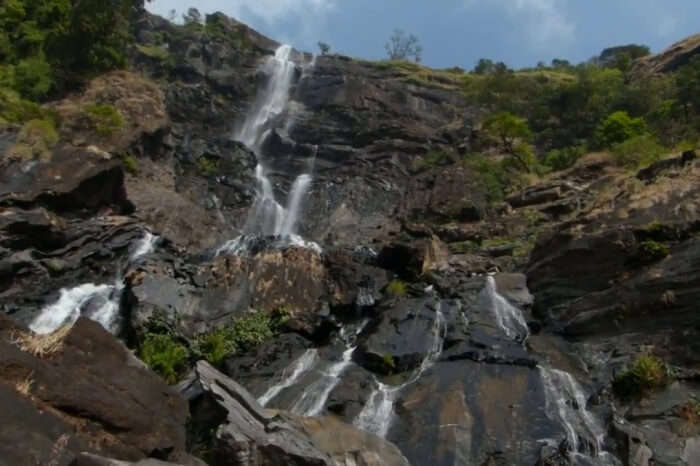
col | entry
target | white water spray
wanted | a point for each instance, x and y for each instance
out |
(302, 365)
(566, 404)
(509, 318)
(74, 302)
(267, 216)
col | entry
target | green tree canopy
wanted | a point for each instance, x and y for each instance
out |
(512, 133)
(618, 127)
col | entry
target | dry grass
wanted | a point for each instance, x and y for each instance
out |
(24, 387)
(41, 346)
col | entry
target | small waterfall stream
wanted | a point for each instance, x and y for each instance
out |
(291, 375)
(566, 401)
(509, 318)
(314, 397)
(378, 413)
(267, 217)
(97, 302)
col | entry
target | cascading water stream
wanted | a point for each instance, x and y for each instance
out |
(72, 302)
(378, 413)
(268, 218)
(509, 318)
(564, 396)
(314, 397)
(305, 362)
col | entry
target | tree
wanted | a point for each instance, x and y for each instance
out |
(403, 47)
(484, 66)
(618, 127)
(193, 16)
(172, 15)
(688, 85)
(324, 47)
(512, 133)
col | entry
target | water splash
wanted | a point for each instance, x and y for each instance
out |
(100, 303)
(378, 413)
(303, 364)
(509, 318)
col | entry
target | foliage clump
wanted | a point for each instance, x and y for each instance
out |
(645, 374)
(35, 140)
(130, 163)
(241, 335)
(617, 128)
(164, 355)
(105, 119)
(397, 288)
(652, 251)
(637, 151)
(207, 166)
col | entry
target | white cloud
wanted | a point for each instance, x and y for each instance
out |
(544, 21)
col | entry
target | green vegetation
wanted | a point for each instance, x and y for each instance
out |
(165, 355)
(513, 134)
(637, 151)
(561, 159)
(433, 159)
(35, 140)
(397, 288)
(207, 166)
(52, 45)
(645, 374)
(652, 251)
(241, 335)
(130, 163)
(154, 51)
(104, 119)
(14, 109)
(492, 176)
(389, 362)
(617, 128)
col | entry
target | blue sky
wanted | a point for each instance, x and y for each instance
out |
(459, 32)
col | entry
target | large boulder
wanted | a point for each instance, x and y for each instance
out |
(80, 390)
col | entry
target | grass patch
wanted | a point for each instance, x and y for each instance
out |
(433, 159)
(638, 151)
(207, 166)
(164, 355)
(35, 140)
(130, 163)
(159, 53)
(41, 346)
(652, 251)
(464, 247)
(645, 374)
(397, 288)
(104, 119)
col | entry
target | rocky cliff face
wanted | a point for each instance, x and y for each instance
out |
(448, 329)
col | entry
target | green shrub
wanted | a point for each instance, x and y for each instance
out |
(637, 152)
(216, 346)
(491, 176)
(105, 119)
(464, 247)
(618, 127)
(561, 159)
(154, 51)
(207, 166)
(14, 109)
(35, 140)
(645, 374)
(652, 251)
(397, 288)
(33, 78)
(164, 355)
(130, 163)
(389, 362)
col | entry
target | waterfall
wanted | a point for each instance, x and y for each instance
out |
(305, 362)
(509, 318)
(267, 217)
(566, 404)
(97, 302)
(314, 397)
(378, 413)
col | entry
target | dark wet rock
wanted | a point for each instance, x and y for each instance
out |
(243, 433)
(403, 337)
(353, 282)
(412, 259)
(94, 396)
